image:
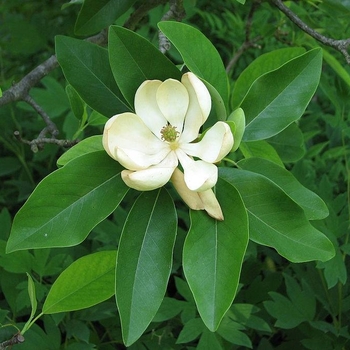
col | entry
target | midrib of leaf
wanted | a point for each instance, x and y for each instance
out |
(278, 95)
(133, 290)
(81, 199)
(78, 289)
(95, 76)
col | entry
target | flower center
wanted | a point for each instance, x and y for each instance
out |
(169, 133)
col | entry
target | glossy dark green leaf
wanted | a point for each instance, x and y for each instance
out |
(260, 149)
(94, 282)
(198, 53)
(69, 203)
(260, 66)
(313, 206)
(280, 97)
(134, 60)
(144, 261)
(86, 68)
(89, 145)
(213, 255)
(99, 14)
(275, 220)
(289, 143)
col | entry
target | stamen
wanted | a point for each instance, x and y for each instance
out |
(169, 133)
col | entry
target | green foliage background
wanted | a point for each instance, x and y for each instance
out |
(279, 305)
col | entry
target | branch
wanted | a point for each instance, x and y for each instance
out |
(16, 339)
(176, 12)
(340, 45)
(40, 141)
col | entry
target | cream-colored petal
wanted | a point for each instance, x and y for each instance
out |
(153, 177)
(191, 198)
(198, 109)
(172, 99)
(125, 135)
(215, 144)
(135, 160)
(199, 175)
(211, 204)
(146, 106)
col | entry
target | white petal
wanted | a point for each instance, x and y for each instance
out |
(146, 106)
(211, 204)
(215, 144)
(135, 160)
(128, 140)
(172, 99)
(153, 177)
(199, 175)
(191, 198)
(198, 109)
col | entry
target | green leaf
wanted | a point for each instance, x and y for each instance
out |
(231, 331)
(291, 312)
(134, 60)
(284, 310)
(89, 145)
(238, 117)
(168, 309)
(263, 64)
(191, 330)
(96, 15)
(208, 340)
(243, 314)
(77, 104)
(275, 220)
(198, 53)
(260, 149)
(280, 97)
(289, 143)
(144, 261)
(213, 254)
(313, 206)
(334, 270)
(94, 282)
(69, 203)
(86, 68)
(33, 303)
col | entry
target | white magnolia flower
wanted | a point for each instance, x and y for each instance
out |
(163, 133)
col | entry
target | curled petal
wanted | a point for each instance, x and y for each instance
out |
(199, 175)
(135, 160)
(216, 143)
(211, 204)
(173, 99)
(191, 198)
(128, 140)
(152, 177)
(146, 106)
(198, 109)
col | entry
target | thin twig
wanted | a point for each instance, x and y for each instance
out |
(20, 92)
(248, 42)
(177, 12)
(340, 45)
(39, 142)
